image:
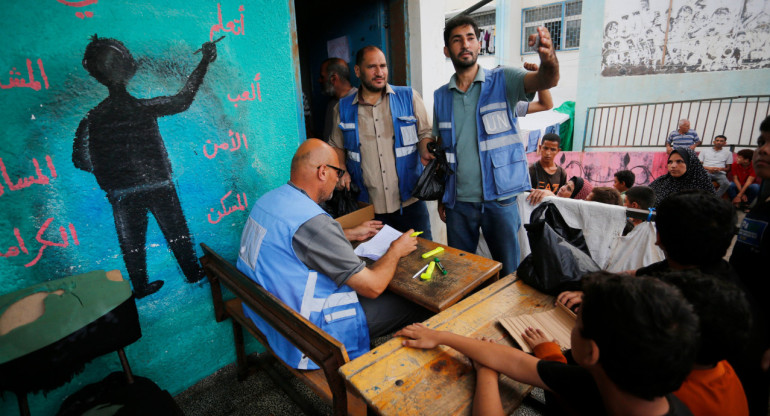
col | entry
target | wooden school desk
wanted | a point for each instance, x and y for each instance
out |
(466, 271)
(396, 380)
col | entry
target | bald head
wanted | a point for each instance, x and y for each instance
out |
(309, 169)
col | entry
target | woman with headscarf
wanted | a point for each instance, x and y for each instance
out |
(685, 172)
(575, 188)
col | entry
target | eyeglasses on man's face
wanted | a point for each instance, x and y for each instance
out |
(339, 171)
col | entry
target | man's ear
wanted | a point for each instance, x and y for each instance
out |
(657, 239)
(635, 205)
(446, 51)
(357, 71)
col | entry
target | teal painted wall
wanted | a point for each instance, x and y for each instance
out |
(181, 342)
(594, 89)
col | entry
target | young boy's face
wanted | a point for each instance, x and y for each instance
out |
(742, 160)
(548, 151)
(620, 186)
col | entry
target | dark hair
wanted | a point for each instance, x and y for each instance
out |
(765, 125)
(361, 52)
(747, 154)
(104, 57)
(721, 136)
(695, 227)
(337, 66)
(723, 312)
(644, 196)
(647, 334)
(551, 137)
(459, 21)
(606, 195)
(626, 177)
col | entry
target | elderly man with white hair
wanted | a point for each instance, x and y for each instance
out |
(684, 136)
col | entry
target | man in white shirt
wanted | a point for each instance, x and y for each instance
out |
(717, 161)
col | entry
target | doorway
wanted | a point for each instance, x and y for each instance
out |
(339, 28)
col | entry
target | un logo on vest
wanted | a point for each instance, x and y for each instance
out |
(496, 122)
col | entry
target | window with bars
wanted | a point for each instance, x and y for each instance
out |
(561, 19)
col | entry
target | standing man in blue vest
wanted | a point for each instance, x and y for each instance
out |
(476, 124)
(376, 132)
(296, 251)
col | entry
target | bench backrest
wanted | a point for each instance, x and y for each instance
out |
(319, 346)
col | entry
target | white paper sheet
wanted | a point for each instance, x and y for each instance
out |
(379, 244)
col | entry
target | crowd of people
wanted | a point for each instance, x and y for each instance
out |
(655, 341)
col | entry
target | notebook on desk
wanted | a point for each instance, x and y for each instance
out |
(556, 323)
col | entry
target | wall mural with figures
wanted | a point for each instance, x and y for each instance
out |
(675, 36)
(133, 132)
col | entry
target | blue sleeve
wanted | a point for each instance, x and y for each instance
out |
(514, 85)
(695, 133)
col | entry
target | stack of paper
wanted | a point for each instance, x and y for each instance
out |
(379, 244)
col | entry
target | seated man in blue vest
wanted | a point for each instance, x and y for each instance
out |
(376, 133)
(475, 121)
(296, 251)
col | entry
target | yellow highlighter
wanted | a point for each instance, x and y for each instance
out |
(415, 234)
(428, 273)
(433, 252)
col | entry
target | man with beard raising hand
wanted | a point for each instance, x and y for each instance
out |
(376, 132)
(475, 121)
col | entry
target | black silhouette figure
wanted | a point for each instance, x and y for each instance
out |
(120, 143)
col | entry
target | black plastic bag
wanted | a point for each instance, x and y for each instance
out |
(430, 186)
(559, 257)
(343, 201)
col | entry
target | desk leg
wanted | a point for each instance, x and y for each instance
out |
(23, 404)
(126, 367)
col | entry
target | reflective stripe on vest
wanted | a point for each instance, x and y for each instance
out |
(356, 156)
(493, 106)
(450, 157)
(498, 142)
(405, 151)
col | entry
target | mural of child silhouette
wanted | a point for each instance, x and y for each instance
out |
(120, 143)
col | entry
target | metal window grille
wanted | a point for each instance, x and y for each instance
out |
(562, 20)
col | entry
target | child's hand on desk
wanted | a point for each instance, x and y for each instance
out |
(421, 336)
(535, 337)
(572, 300)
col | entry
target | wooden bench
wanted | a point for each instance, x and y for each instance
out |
(319, 346)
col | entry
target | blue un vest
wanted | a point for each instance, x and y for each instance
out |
(504, 170)
(408, 164)
(268, 258)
